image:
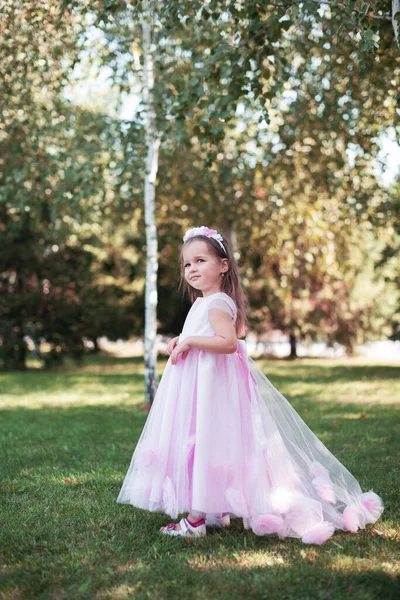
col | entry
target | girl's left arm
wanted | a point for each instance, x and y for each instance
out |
(223, 342)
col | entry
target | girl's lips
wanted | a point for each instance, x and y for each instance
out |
(195, 277)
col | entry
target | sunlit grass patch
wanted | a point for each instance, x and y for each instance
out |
(242, 559)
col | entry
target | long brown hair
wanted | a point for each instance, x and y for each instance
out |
(230, 283)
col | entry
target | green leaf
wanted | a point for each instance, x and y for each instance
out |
(85, 586)
(369, 35)
(309, 7)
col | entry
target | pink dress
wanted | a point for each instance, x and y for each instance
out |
(220, 438)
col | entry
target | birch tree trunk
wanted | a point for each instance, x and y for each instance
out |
(152, 140)
(395, 22)
(232, 235)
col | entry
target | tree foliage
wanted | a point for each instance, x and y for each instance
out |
(270, 116)
(56, 187)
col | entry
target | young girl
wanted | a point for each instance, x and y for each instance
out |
(220, 441)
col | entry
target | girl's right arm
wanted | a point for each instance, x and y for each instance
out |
(224, 341)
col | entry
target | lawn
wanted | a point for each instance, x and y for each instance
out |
(67, 438)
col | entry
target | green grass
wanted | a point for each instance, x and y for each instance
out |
(66, 442)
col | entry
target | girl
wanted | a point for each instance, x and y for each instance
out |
(220, 441)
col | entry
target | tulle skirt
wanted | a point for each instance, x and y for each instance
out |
(220, 438)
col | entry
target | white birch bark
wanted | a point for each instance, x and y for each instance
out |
(152, 141)
(395, 22)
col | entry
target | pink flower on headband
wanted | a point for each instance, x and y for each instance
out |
(208, 231)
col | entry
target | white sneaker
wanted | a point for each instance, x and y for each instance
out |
(186, 530)
(222, 522)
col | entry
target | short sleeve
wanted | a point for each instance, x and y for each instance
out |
(224, 303)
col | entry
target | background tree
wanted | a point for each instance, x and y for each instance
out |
(56, 185)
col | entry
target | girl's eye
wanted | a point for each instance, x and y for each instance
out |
(188, 264)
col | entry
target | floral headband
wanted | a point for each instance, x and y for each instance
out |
(206, 231)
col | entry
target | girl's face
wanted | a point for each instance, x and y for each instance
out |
(202, 268)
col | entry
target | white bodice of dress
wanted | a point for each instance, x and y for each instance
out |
(197, 321)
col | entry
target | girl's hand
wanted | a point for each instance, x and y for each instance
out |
(182, 348)
(172, 344)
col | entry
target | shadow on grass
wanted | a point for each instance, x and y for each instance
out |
(127, 559)
(329, 373)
